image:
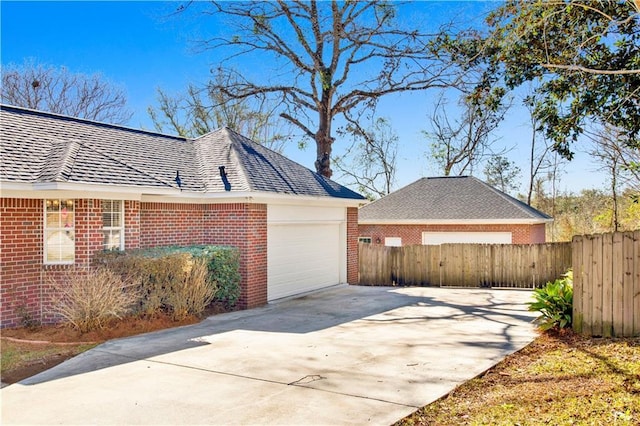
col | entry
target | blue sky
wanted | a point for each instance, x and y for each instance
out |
(141, 47)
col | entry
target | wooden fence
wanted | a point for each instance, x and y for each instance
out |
(606, 284)
(464, 265)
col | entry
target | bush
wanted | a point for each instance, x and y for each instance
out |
(179, 280)
(554, 301)
(88, 300)
(190, 292)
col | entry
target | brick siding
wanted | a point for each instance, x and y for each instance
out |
(352, 245)
(21, 258)
(412, 234)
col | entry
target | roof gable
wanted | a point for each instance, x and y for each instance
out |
(39, 147)
(456, 198)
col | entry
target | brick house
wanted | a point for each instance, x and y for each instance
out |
(460, 209)
(71, 187)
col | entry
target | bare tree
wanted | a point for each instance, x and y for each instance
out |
(202, 110)
(460, 144)
(323, 60)
(539, 154)
(369, 164)
(57, 90)
(619, 160)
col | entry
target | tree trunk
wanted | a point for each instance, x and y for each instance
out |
(324, 140)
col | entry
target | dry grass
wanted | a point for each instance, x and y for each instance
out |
(557, 380)
(90, 299)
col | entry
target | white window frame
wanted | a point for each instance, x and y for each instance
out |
(393, 241)
(467, 237)
(113, 228)
(68, 229)
(366, 240)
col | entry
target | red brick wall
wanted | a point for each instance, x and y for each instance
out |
(26, 282)
(132, 224)
(21, 258)
(240, 225)
(412, 234)
(352, 245)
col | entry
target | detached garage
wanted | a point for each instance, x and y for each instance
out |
(456, 209)
(119, 188)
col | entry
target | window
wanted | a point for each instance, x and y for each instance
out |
(59, 231)
(364, 240)
(113, 224)
(393, 241)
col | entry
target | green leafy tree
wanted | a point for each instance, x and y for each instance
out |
(585, 57)
(502, 173)
(323, 60)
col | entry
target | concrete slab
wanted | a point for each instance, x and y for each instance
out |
(347, 355)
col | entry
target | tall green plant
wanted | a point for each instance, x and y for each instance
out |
(554, 301)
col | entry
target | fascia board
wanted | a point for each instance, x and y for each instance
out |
(453, 221)
(166, 195)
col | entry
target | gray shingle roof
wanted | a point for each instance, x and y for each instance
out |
(449, 199)
(39, 147)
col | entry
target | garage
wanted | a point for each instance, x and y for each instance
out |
(306, 249)
(437, 238)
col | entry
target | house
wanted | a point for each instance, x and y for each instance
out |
(460, 209)
(71, 187)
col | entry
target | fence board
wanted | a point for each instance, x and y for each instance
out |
(597, 284)
(587, 284)
(607, 285)
(636, 286)
(627, 284)
(578, 279)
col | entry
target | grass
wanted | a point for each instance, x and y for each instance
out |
(557, 380)
(24, 359)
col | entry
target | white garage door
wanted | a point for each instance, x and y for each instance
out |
(436, 238)
(306, 250)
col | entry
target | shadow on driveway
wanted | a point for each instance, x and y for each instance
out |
(387, 308)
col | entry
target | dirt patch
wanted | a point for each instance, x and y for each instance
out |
(28, 351)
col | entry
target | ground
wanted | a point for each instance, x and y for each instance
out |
(29, 350)
(561, 378)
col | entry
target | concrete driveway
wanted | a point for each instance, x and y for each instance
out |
(346, 355)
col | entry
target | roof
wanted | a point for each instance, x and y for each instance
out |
(449, 199)
(39, 147)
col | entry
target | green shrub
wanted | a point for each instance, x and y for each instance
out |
(88, 300)
(554, 301)
(224, 266)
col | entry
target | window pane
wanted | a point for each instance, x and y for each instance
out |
(112, 239)
(60, 246)
(106, 220)
(116, 219)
